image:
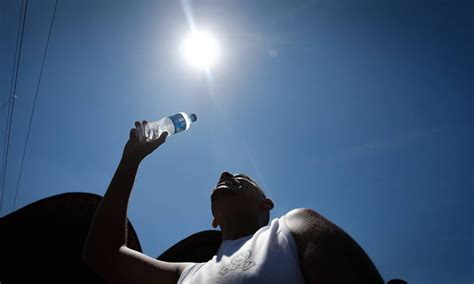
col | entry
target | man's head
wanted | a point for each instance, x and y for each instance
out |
(238, 199)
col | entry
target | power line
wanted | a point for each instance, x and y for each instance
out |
(8, 101)
(34, 102)
(9, 97)
(16, 67)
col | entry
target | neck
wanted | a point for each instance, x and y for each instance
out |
(236, 230)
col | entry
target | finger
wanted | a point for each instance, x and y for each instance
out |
(133, 134)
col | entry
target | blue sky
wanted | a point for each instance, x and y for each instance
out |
(361, 110)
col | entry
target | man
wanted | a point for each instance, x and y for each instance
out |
(301, 246)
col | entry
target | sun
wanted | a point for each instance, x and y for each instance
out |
(201, 49)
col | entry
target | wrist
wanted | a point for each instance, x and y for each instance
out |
(128, 161)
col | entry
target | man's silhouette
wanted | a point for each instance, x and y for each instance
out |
(301, 246)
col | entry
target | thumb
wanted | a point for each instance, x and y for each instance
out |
(157, 142)
(163, 136)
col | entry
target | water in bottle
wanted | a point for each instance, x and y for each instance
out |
(172, 124)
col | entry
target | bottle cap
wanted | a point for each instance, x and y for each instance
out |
(193, 117)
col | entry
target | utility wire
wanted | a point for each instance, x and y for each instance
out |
(34, 102)
(9, 98)
(16, 67)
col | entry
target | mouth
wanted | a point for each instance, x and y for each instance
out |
(226, 186)
(228, 182)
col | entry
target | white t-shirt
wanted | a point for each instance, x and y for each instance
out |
(270, 255)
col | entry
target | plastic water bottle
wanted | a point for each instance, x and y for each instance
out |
(172, 124)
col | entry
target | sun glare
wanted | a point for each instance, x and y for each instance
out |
(200, 49)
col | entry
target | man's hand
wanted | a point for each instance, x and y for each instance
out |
(135, 150)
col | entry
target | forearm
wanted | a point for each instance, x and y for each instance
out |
(108, 228)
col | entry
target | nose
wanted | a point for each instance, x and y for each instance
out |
(226, 175)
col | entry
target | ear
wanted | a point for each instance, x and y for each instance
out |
(214, 223)
(268, 204)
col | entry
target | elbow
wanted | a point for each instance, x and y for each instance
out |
(96, 248)
(98, 257)
(95, 260)
(88, 256)
(85, 254)
(92, 255)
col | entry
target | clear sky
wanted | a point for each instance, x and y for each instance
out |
(360, 110)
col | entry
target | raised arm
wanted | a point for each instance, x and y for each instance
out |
(105, 250)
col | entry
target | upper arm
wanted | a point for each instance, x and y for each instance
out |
(130, 266)
(327, 253)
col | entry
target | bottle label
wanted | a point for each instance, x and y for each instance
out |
(179, 122)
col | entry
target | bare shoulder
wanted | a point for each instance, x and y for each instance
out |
(305, 221)
(327, 253)
(314, 235)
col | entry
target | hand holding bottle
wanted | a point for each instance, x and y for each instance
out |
(136, 150)
(173, 124)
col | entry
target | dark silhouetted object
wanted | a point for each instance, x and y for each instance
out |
(199, 247)
(43, 241)
(397, 281)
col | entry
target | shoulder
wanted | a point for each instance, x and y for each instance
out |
(314, 233)
(305, 220)
(327, 253)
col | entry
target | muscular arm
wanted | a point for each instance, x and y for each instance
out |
(108, 229)
(105, 250)
(327, 253)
